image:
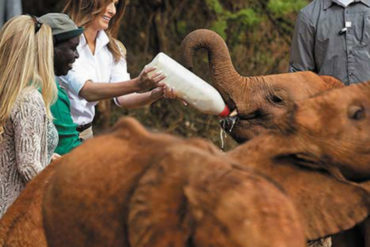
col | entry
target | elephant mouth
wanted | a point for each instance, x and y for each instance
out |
(242, 128)
(228, 124)
(240, 132)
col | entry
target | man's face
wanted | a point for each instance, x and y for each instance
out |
(65, 54)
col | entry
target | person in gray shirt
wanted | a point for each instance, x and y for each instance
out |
(332, 37)
(8, 9)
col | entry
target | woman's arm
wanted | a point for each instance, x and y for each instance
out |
(136, 100)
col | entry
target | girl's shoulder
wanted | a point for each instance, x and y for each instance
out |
(29, 97)
(31, 94)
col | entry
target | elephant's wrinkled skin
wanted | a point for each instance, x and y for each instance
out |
(258, 100)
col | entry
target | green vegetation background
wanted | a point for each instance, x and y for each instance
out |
(257, 32)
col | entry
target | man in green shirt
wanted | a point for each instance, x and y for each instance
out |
(66, 37)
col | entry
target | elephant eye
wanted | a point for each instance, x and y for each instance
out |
(275, 99)
(356, 112)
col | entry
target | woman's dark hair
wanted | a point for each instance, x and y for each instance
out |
(82, 12)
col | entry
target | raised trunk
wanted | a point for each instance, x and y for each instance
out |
(224, 76)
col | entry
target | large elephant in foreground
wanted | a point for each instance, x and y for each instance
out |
(146, 189)
(258, 100)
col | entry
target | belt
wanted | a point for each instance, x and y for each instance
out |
(83, 127)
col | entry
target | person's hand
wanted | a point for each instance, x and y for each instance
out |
(55, 156)
(157, 93)
(167, 93)
(147, 82)
(162, 91)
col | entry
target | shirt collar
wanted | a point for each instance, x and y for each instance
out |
(329, 3)
(102, 40)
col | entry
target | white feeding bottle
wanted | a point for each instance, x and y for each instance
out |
(189, 87)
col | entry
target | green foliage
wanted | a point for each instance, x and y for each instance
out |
(244, 18)
(219, 27)
(284, 7)
(181, 27)
(215, 6)
(247, 17)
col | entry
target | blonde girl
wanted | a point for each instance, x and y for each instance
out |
(27, 89)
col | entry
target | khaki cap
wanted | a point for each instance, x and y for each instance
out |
(62, 26)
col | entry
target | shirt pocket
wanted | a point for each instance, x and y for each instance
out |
(365, 40)
(327, 32)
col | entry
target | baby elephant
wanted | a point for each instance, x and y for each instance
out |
(320, 155)
(135, 188)
(258, 100)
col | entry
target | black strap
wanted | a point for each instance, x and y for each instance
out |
(83, 127)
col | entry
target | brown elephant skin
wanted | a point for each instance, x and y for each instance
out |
(258, 100)
(22, 225)
(320, 155)
(135, 188)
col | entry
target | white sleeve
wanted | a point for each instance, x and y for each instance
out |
(75, 79)
(119, 71)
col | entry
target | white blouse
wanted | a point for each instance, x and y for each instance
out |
(98, 67)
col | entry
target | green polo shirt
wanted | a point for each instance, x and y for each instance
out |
(68, 135)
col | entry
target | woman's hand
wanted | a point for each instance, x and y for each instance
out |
(55, 156)
(148, 80)
(169, 93)
(163, 91)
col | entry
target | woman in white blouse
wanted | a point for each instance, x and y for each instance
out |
(100, 72)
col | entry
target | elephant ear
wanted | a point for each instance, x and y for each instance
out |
(129, 128)
(238, 207)
(326, 205)
(332, 82)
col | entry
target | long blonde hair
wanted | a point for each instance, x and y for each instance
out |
(82, 12)
(26, 60)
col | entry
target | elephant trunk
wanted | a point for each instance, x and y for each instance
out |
(223, 74)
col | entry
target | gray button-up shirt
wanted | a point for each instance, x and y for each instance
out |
(332, 40)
